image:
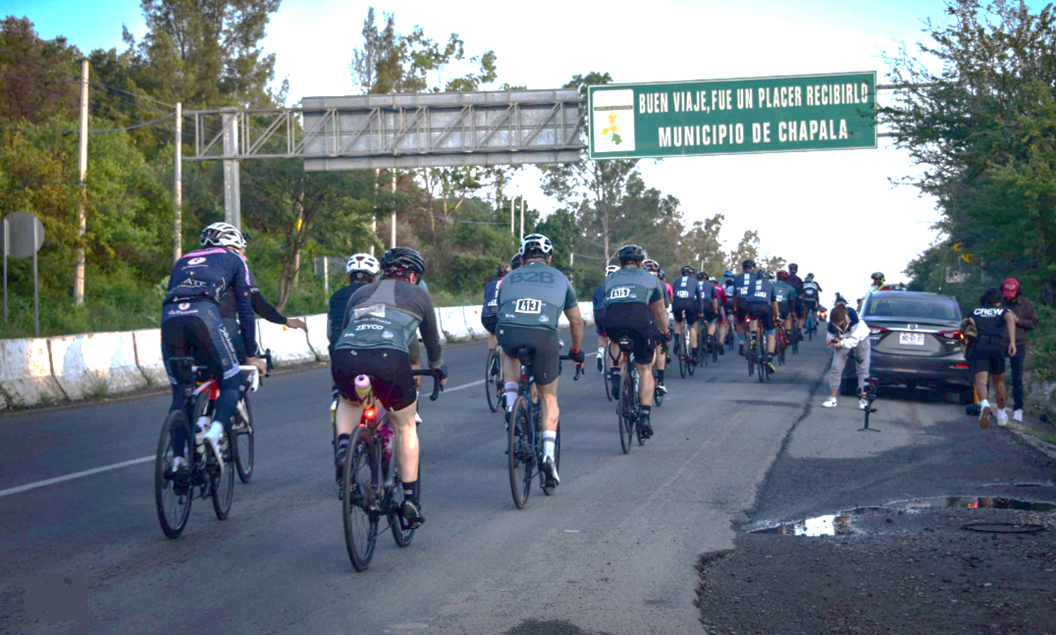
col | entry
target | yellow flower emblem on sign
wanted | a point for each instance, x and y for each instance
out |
(611, 129)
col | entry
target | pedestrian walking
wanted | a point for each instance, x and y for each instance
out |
(1026, 320)
(991, 335)
(848, 336)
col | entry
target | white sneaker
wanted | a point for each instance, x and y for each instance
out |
(984, 414)
(1002, 417)
(417, 419)
(601, 359)
(829, 403)
(863, 404)
(212, 435)
(1017, 415)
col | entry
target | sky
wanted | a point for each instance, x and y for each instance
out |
(835, 213)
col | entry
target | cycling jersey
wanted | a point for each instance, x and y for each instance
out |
(335, 313)
(760, 292)
(741, 285)
(784, 294)
(795, 282)
(534, 296)
(385, 315)
(811, 293)
(632, 285)
(491, 298)
(707, 294)
(687, 302)
(208, 274)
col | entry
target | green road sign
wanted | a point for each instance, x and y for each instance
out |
(732, 116)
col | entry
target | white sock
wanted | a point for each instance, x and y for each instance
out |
(511, 393)
(601, 351)
(549, 438)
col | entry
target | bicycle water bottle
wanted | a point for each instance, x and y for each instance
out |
(362, 387)
(386, 433)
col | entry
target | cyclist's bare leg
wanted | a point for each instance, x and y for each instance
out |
(492, 341)
(722, 332)
(406, 441)
(693, 330)
(348, 415)
(711, 329)
(551, 412)
(645, 384)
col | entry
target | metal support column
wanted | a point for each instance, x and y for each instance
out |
(232, 189)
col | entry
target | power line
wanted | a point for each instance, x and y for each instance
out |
(143, 124)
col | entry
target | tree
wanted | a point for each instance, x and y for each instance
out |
(982, 127)
(38, 78)
(702, 247)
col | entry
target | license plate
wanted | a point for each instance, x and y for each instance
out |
(913, 339)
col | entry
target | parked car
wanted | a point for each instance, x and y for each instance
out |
(916, 341)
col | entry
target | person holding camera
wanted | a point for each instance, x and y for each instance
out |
(848, 336)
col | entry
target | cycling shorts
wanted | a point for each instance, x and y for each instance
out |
(633, 320)
(599, 322)
(741, 313)
(709, 315)
(801, 311)
(685, 311)
(543, 345)
(765, 313)
(389, 371)
(986, 361)
(782, 308)
(489, 322)
(194, 329)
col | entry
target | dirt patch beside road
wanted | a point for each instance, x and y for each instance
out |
(897, 572)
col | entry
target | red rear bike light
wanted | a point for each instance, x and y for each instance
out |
(369, 413)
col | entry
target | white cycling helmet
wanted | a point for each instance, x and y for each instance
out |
(363, 263)
(222, 235)
(651, 265)
(611, 269)
(536, 244)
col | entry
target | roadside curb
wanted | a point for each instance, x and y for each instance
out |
(1032, 433)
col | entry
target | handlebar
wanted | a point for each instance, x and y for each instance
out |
(579, 369)
(437, 386)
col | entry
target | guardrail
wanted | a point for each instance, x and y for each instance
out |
(36, 371)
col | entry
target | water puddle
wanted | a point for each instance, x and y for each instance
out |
(842, 524)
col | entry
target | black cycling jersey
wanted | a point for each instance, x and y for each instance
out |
(599, 297)
(687, 291)
(209, 274)
(796, 283)
(491, 298)
(741, 285)
(761, 292)
(335, 312)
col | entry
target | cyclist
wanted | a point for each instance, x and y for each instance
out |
(762, 306)
(599, 317)
(378, 328)
(531, 301)
(810, 296)
(634, 308)
(787, 301)
(709, 306)
(667, 286)
(489, 313)
(362, 269)
(191, 325)
(796, 283)
(723, 302)
(653, 267)
(741, 285)
(687, 308)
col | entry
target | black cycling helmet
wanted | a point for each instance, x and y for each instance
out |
(515, 262)
(703, 275)
(748, 264)
(810, 277)
(400, 261)
(503, 269)
(689, 271)
(878, 276)
(660, 274)
(630, 253)
(793, 268)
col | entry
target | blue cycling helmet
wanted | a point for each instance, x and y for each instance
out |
(728, 273)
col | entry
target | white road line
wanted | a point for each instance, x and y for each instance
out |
(116, 466)
(75, 475)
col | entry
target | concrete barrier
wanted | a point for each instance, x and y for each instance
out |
(96, 364)
(317, 335)
(288, 346)
(587, 309)
(476, 328)
(148, 356)
(25, 373)
(453, 323)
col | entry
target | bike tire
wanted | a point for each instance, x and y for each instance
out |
(795, 343)
(749, 353)
(173, 507)
(549, 491)
(242, 448)
(713, 344)
(760, 348)
(627, 412)
(361, 495)
(683, 362)
(403, 537)
(607, 378)
(222, 481)
(490, 380)
(521, 450)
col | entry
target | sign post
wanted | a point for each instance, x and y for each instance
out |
(23, 238)
(732, 116)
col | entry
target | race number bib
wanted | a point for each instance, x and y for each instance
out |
(528, 305)
(683, 294)
(620, 292)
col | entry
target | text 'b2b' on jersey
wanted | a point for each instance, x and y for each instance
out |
(632, 285)
(534, 296)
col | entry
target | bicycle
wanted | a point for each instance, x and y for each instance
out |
(494, 383)
(812, 324)
(210, 474)
(781, 338)
(370, 485)
(242, 427)
(685, 361)
(606, 381)
(629, 407)
(525, 436)
(759, 352)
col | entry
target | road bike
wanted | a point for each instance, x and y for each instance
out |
(812, 323)
(610, 389)
(629, 407)
(758, 351)
(782, 339)
(494, 383)
(211, 475)
(242, 425)
(683, 350)
(525, 436)
(370, 483)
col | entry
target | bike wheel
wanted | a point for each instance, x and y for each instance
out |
(606, 380)
(361, 497)
(172, 497)
(403, 537)
(222, 479)
(490, 380)
(628, 413)
(749, 354)
(713, 346)
(242, 435)
(557, 462)
(521, 451)
(795, 341)
(689, 359)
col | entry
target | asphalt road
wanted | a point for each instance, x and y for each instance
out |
(613, 551)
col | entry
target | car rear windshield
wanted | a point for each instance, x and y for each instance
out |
(913, 307)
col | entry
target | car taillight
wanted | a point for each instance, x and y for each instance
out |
(951, 335)
(877, 330)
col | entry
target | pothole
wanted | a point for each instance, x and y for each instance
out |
(843, 523)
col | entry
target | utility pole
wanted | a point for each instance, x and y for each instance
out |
(177, 239)
(512, 232)
(393, 244)
(82, 166)
(232, 187)
(374, 213)
(522, 218)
